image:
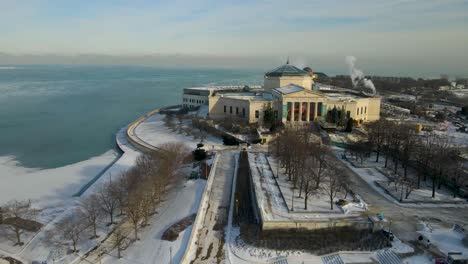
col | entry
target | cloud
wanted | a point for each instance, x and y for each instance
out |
(400, 29)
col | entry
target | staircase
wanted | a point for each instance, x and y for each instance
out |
(388, 257)
(332, 259)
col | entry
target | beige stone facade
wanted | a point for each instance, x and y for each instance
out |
(288, 93)
(270, 83)
(247, 107)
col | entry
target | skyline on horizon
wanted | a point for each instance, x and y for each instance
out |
(404, 38)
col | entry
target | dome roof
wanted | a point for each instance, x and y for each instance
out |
(286, 70)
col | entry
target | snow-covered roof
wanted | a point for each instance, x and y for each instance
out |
(252, 96)
(291, 88)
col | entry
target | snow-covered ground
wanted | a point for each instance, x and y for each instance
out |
(36, 247)
(27, 183)
(418, 259)
(275, 201)
(151, 248)
(318, 202)
(154, 132)
(52, 191)
(371, 175)
(445, 239)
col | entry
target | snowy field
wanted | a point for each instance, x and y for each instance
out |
(151, 248)
(445, 239)
(318, 202)
(153, 131)
(422, 195)
(274, 201)
(35, 247)
(371, 175)
(418, 259)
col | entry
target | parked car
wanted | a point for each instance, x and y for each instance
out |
(388, 234)
(424, 240)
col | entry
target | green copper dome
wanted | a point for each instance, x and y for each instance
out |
(286, 70)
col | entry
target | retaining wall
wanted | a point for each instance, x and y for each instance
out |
(200, 218)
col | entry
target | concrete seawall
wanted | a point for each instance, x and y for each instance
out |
(137, 142)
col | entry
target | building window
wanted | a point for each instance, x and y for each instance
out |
(361, 110)
(224, 109)
(319, 109)
(365, 109)
(257, 113)
(357, 112)
(243, 112)
(237, 110)
(230, 109)
(348, 114)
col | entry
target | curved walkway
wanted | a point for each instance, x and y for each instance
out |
(133, 137)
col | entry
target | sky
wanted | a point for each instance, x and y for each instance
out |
(401, 37)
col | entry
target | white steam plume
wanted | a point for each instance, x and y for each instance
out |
(357, 76)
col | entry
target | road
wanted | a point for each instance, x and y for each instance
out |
(211, 241)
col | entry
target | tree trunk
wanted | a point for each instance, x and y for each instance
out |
(433, 186)
(135, 229)
(405, 171)
(95, 230)
(111, 218)
(440, 179)
(401, 193)
(300, 187)
(18, 236)
(378, 154)
(305, 201)
(74, 246)
(331, 202)
(386, 161)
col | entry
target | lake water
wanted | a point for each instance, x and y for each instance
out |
(51, 116)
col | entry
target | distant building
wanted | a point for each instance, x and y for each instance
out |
(402, 98)
(197, 96)
(288, 94)
(391, 79)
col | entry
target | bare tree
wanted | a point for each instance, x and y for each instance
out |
(376, 132)
(408, 147)
(92, 212)
(70, 230)
(321, 156)
(15, 214)
(108, 201)
(119, 240)
(134, 210)
(457, 170)
(334, 181)
(309, 182)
